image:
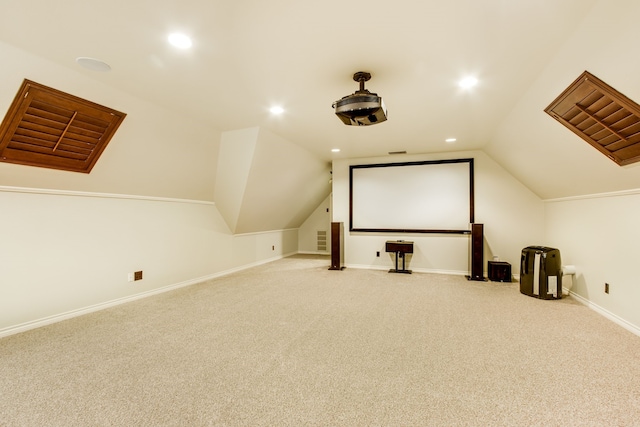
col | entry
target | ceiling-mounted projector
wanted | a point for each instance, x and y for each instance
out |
(362, 108)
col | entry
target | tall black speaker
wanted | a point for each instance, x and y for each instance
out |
(477, 252)
(337, 246)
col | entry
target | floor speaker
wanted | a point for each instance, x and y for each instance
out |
(337, 246)
(477, 252)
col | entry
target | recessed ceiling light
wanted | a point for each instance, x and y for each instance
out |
(93, 64)
(468, 82)
(335, 150)
(179, 40)
(276, 110)
(450, 140)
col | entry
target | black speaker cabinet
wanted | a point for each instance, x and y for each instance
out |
(337, 246)
(477, 252)
(499, 271)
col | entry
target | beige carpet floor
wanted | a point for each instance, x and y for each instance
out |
(291, 343)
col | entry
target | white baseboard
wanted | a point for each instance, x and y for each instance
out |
(416, 270)
(23, 327)
(606, 313)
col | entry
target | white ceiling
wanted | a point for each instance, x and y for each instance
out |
(249, 55)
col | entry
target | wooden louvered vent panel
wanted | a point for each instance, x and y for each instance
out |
(602, 116)
(49, 128)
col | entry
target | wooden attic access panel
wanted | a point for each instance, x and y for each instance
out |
(602, 116)
(48, 128)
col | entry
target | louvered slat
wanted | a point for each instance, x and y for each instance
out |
(605, 138)
(81, 134)
(39, 122)
(81, 123)
(35, 136)
(79, 146)
(42, 150)
(53, 112)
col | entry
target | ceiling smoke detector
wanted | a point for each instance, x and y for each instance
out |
(361, 108)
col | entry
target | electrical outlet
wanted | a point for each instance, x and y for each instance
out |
(273, 248)
(606, 288)
(378, 253)
(130, 277)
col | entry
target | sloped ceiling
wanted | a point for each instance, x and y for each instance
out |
(250, 54)
(265, 182)
(285, 185)
(550, 159)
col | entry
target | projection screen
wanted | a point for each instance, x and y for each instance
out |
(412, 197)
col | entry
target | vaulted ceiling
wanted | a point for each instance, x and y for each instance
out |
(249, 55)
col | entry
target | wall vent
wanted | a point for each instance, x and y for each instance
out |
(48, 128)
(321, 240)
(602, 116)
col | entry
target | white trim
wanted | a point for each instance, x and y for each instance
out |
(415, 270)
(366, 267)
(33, 324)
(632, 192)
(255, 233)
(47, 191)
(313, 253)
(606, 313)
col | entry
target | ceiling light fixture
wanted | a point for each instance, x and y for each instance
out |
(277, 110)
(450, 140)
(179, 40)
(335, 150)
(468, 82)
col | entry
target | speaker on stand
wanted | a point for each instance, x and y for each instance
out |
(477, 253)
(337, 246)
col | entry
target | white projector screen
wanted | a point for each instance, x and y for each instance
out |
(412, 197)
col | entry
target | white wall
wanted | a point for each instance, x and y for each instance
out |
(285, 184)
(234, 166)
(65, 253)
(512, 216)
(265, 182)
(543, 154)
(69, 239)
(154, 152)
(319, 220)
(599, 234)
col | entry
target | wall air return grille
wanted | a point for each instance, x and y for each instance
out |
(602, 116)
(48, 128)
(321, 240)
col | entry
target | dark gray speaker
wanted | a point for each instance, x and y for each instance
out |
(477, 252)
(337, 246)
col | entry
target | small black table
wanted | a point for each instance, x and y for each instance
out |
(401, 248)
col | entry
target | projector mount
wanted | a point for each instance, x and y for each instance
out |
(361, 108)
(362, 77)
